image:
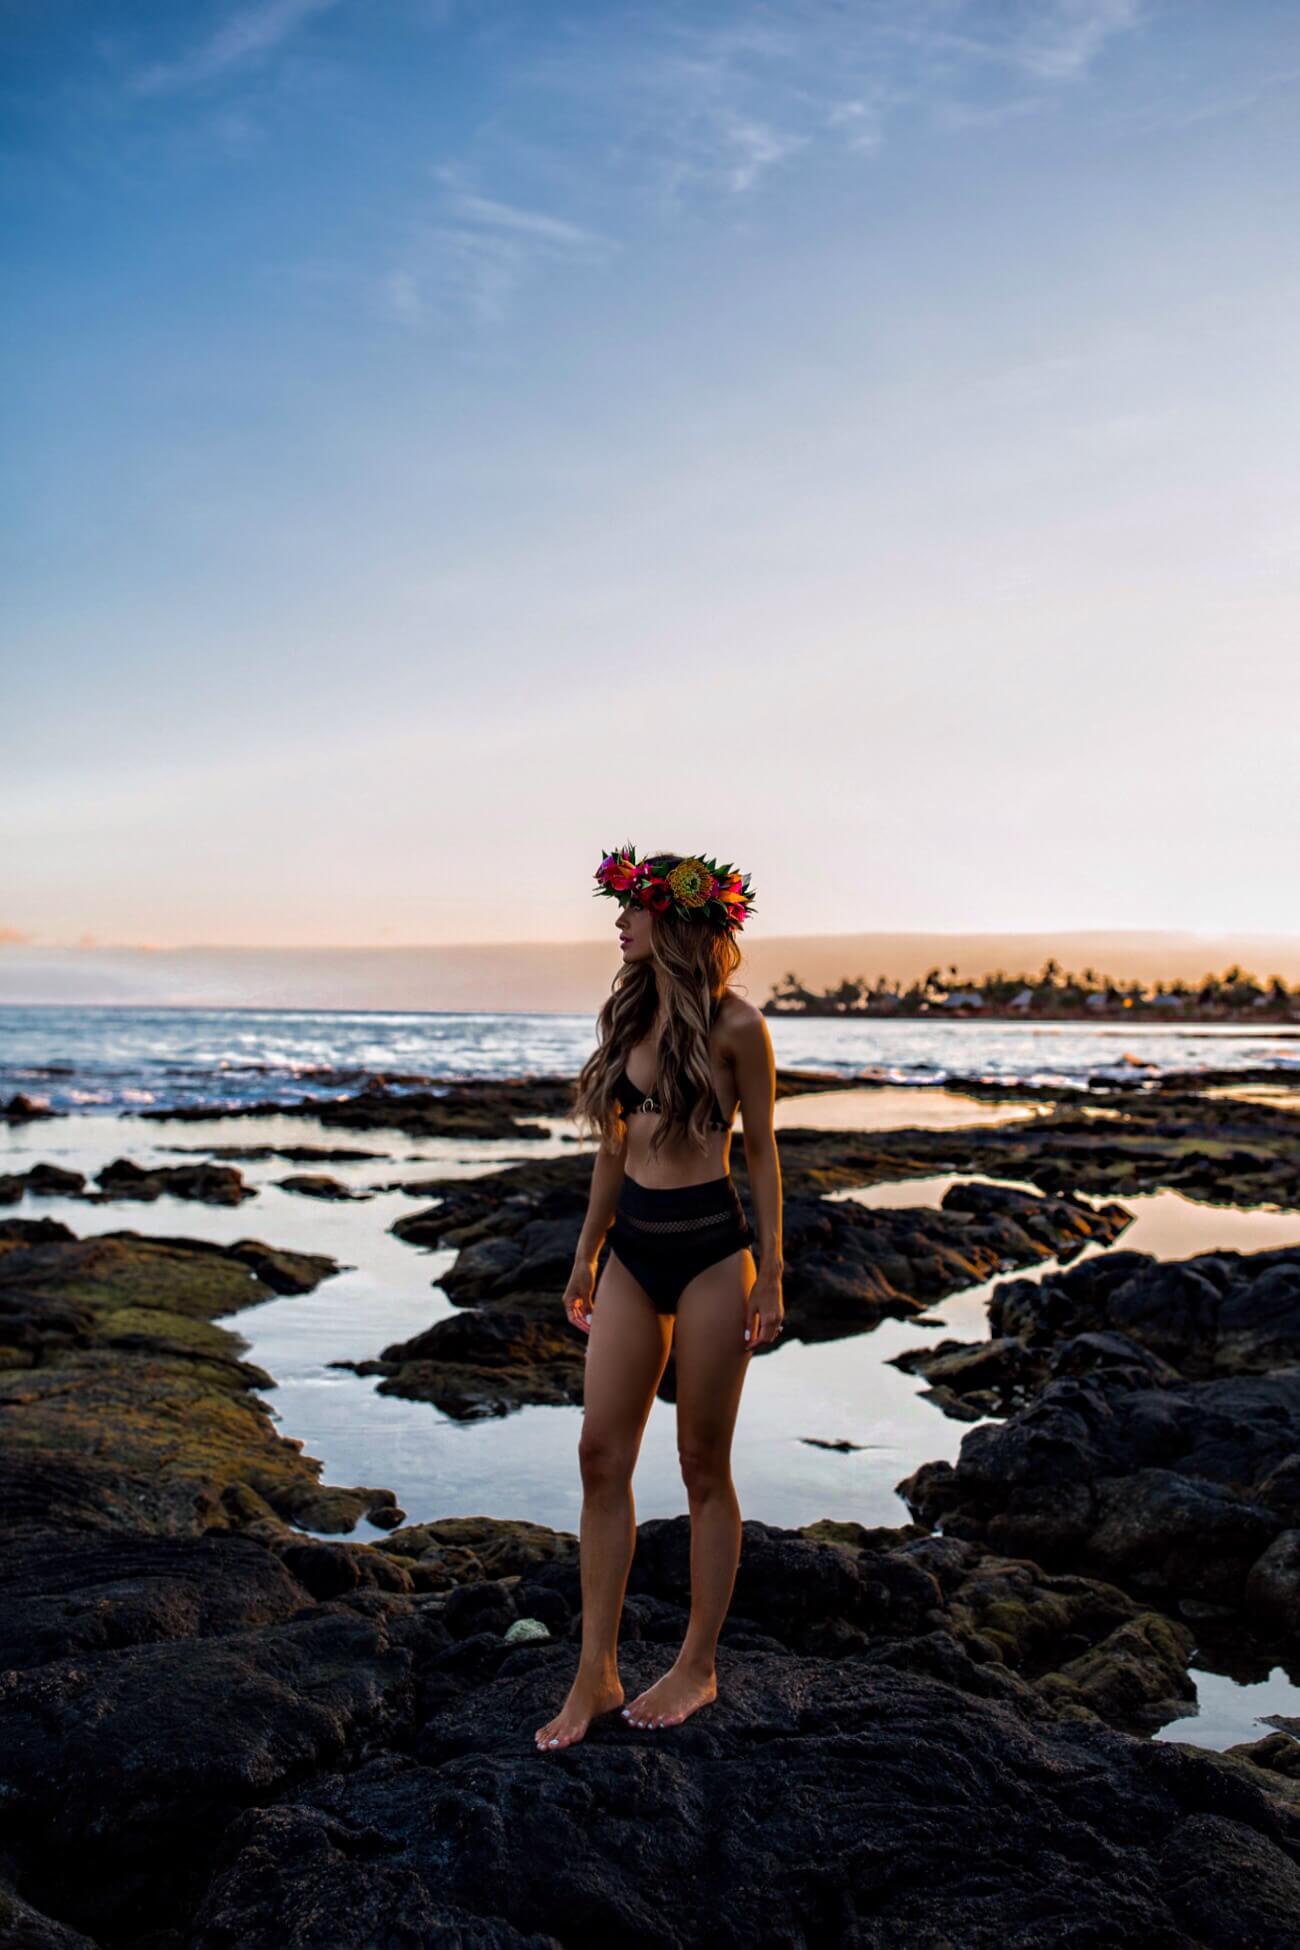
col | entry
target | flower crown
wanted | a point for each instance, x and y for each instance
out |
(691, 887)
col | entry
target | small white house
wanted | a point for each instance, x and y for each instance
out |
(964, 999)
(1022, 1002)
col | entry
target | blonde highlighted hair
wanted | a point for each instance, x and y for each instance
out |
(690, 964)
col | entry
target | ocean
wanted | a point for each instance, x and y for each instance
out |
(125, 1058)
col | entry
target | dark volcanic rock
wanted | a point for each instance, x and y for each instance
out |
(1220, 1150)
(212, 1184)
(22, 1109)
(24, 1928)
(48, 1181)
(319, 1185)
(491, 1108)
(910, 1813)
(1184, 1480)
(1163, 1489)
(477, 1364)
(68, 1595)
(1140, 1320)
(1217, 1314)
(227, 1763)
(466, 1550)
(299, 1154)
(116, 1337)
(130, 1763)
(847, 1267)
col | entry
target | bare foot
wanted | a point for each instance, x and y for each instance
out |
(672, 1699)
(586, 1698)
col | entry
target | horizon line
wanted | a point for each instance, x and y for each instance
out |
(591, 941)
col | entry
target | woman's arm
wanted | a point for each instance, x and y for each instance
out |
(606, 1178)
(756, 1082)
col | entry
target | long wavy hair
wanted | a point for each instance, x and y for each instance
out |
(690, 964)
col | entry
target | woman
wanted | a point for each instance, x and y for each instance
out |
(674, 1044)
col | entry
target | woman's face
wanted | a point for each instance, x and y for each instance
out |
(634, 925)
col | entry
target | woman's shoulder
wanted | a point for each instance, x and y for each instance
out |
(736, 1015)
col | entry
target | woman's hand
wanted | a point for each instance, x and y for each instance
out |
(764, 1310)
(580, 1293)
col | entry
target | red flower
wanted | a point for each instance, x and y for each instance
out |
(655, 893)
(617, 873)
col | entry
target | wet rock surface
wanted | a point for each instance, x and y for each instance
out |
(847, 1267)
(213, 1184)
(22, 1109)
(424, 1108)
(940, 1726)
(1146, 1138)
(1160, 1442)
(299, 1154)
(1128, 1315)
(318, 1184)
(45, 1181)
(217, 1729)
(680, 1844)
(123, 1404)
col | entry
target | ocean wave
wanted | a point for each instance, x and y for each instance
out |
(126, 1059)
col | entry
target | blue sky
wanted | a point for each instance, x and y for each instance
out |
(445, 439)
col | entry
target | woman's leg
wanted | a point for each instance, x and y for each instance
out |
(627, 1351)
(712, 1362)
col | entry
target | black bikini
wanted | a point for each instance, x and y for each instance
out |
(633, 1100)
(665, 1235)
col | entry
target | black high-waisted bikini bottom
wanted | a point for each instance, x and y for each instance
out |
(666, 1235)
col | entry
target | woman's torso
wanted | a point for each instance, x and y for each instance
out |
(680, 1161)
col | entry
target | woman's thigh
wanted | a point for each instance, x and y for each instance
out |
(712, 1357)
(627, 1351)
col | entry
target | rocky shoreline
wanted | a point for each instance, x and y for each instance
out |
(516, 1232)
(221, 1732)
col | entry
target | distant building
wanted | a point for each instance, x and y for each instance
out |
(964, 999)
(1022, 1002)
(884, 1002)
(1099, 1004)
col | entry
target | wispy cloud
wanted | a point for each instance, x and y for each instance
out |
(1049, 40)
(491, 214)
(757, 146)
(13, 937)
(713, 99)
(476, 250)
(1062, 41)
(247, 35)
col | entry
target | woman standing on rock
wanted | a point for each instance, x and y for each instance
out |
(673, 1042)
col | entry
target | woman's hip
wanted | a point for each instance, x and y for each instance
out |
(679, 1211)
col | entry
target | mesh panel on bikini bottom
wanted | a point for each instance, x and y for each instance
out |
(727, 1218)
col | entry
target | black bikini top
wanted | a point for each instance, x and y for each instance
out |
(633, 1099)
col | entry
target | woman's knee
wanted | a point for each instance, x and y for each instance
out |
(606, 1462)
(705, 1472)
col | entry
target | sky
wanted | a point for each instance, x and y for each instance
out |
(448, 439)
